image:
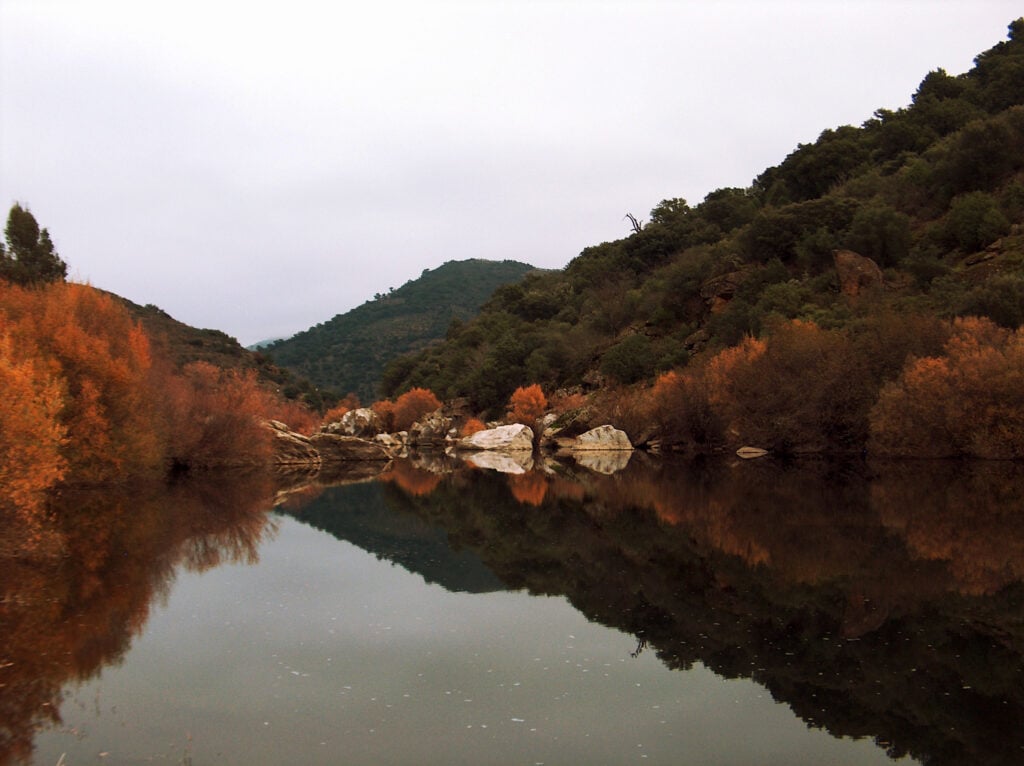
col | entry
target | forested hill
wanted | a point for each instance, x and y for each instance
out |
(932, 193)
(349, 352)
(182, 344)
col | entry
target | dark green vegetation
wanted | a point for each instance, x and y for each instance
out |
(29, 257)
(348, 353)
(933, 193)
(362, 515)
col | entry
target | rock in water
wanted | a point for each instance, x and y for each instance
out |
(335, 448)
(602, 438)
(503, 438)
(359, 422)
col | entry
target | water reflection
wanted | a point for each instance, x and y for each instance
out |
(881, 601)
(876, 600)
(75, 593)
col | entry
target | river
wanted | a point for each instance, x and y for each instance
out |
(723, 612)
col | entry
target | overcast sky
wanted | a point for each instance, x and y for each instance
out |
(260, 167)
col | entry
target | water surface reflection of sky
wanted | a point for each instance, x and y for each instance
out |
(324, 653)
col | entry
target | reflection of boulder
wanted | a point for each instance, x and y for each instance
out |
(503, 439)
(603, 461)
(503, 462)
(602, 438)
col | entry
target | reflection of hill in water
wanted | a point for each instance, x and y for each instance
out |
(362, 515)
(889, 607)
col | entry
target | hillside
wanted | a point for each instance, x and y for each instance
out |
(349, 352)
(183, 344)
(932, 193)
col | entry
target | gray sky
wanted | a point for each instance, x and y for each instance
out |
(260, 167)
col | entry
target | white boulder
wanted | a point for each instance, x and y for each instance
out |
(602, 438)
(502, 439)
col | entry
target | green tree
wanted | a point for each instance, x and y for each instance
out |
(975, 221)
(629, 360)
(29, 257)
(881, 233)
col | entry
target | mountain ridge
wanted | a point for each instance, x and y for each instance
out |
(348, 353)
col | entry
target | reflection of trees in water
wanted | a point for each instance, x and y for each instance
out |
(879, 600)
(72, 606)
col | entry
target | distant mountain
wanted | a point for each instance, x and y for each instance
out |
(262, 344)
(349, 352)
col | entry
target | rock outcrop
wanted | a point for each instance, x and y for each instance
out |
(335, 448)
(433, 432)
(291, 448)
(326, 456)
(857, 273)
(718, 291)
(607, 438)
(513, 438)
(362, 422)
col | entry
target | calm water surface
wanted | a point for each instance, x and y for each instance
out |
(727, 614)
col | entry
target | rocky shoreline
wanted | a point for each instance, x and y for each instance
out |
(355, 448)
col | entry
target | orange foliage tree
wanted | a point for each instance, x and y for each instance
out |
(218, 417)
(411, 406)
(680, 406)
(102, 408)
(88, 342)
(385, 410)
(968, 402)
(31, 434)
(472, 426)
(526, 405)
(804, 389)
(338, 411)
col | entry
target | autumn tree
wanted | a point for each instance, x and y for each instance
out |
(967, 402)
(88, 342)
(218, 416)
(526, 405)
(385, 410)
(29, 257)
(31, 434)
(411, 406)
(472, 426)
(681, 411)
(803, 389)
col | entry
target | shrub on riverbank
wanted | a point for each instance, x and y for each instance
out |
(100, 407)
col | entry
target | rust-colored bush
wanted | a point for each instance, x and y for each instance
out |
(411, 406)
(472, 426)
(680, 407)
(526, 405)
(970, 401)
